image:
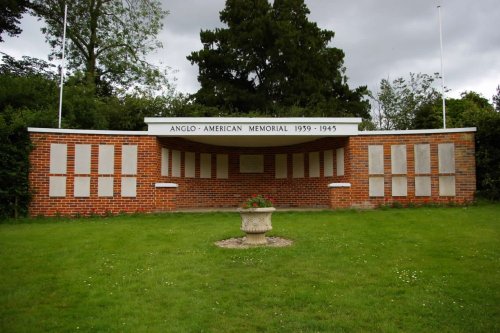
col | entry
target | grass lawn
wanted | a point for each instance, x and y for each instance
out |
(395, 270)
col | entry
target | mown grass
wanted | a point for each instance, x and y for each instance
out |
(395, 270)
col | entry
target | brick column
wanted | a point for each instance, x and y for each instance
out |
(340, 195)
(165, 197)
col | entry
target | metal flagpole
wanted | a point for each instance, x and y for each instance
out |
(442, 69)
(62, 64)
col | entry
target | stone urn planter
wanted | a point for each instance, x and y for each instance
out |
(255, 222)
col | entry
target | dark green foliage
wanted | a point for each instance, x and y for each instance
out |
(488, 156)
(11, 11)
(429, 116)
(271, 60)
(14, 164)
(27, 93)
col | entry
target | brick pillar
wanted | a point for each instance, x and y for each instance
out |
(165, 197)
(340, 195)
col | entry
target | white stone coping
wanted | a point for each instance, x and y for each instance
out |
(249, 120)
(421, 131)
(82, 131)
(333, 185)
(166, 185)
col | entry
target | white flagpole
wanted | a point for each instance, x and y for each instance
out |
(62, 64)
(442, 69)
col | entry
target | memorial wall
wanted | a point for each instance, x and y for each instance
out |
(300, 163)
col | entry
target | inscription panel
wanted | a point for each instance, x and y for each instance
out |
(314, 164)
(298, 165)
(422, 158)
(251, 163)
(222, 166)
(189, 164)
(205, 165)
(328, 163)
(281, 166)
(340, 161)
(58, 158)
(446, 155)
(398, 159)
(82, 159)
(376, 160)
(164, 162)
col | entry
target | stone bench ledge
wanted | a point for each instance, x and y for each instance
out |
(333, 185)
(166, 185)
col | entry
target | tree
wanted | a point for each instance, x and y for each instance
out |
(496, 99)
(108, 40)
(271, 58)
(27, 93)
(398, 103)
(25, 67)
(10, 14)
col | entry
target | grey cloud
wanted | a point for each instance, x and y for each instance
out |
(380, 38)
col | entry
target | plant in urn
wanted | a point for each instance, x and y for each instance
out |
(255, 215)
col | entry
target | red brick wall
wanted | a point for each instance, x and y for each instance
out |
(148, 167)
(206, 193)
(465, 170)
(340, 197)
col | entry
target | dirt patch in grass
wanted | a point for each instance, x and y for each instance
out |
(239, 243)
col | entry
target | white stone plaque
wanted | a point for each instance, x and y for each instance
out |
(447, 186)
(81, 187)
(58, 158)
(398, 159)
(222, 166)
(251, 163)
(328, 163)
(57, 186)
(376, 186)
(399, 186)
(189, 164)
(422, 186)
(129, 187)
(376, 160)
(105, 186)
(106, 163)
(314, 164)
(176, 163)
(129, 160)
(82, 159)
(281, 166)
(164, 162)
(205, 165)
(298, 165)
(446, 154)
(422, 158)
(340, 161)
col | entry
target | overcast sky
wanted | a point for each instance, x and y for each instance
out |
(380, 39)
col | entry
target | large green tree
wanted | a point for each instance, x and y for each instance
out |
(270, 59)
(11, 11)
(108, 40)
